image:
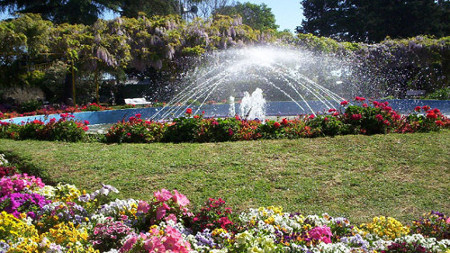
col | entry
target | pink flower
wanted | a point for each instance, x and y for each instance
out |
(143, 206)
(154, 244)
(163, 195)
(180, 199)
(312, 116)
(172, 244)
(128, 244)
(356, 116)
(128, 134)
(160, 212)
(171, 217)
(379, 117)
(321, 233)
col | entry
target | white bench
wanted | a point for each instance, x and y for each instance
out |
(136, 101)
(415, 93)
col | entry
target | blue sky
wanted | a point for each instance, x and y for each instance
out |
(288, 13)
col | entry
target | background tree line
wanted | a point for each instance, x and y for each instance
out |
(374, 20)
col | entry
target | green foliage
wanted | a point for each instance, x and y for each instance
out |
(440, 94)
(59, 11)
(327, 125)
(258, 17)
(30, 106)
(372, 21)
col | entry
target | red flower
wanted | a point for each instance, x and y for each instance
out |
(356, 116)
(138, 115)
(276, 124)
(203, 112)
(376, 103)
(388, 108)
(359, 99)
(230, 131)
(284, 122)
(379, 117)
(417, 109)
(344, 103)
(365, 105)
(86, 122)
(332, 110)
(189, 111)
(386, 122)
(439, 123)
(129, 134)
(436, 110)
(431, 115)
(325, 119)
(312, 116)
(196, 116)
(425, 108)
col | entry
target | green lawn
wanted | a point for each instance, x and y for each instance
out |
(355, 176)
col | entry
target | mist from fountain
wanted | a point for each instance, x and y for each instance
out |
(282, 74)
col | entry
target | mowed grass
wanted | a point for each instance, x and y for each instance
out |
(353, 176)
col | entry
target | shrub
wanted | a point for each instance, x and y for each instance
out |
(136, 130)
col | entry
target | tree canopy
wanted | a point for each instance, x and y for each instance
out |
(62, 11)
(259, 17)
(374, 20)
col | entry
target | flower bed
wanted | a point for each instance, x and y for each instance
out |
(35, 217)
(47, 110)
(378, 118)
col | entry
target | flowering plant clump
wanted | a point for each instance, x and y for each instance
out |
(92, 107)
(213, 215)
(158, 239)
(67, 219)
(108, 235)
(425, 119)
(7, 171)
(62, 130)
(433, 224)
(136, 130)
(385, 228)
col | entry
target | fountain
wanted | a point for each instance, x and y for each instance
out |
(293, 81)
(253, 106)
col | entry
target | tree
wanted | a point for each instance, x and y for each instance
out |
(374, 20)
(259, 17)
(62, 11)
